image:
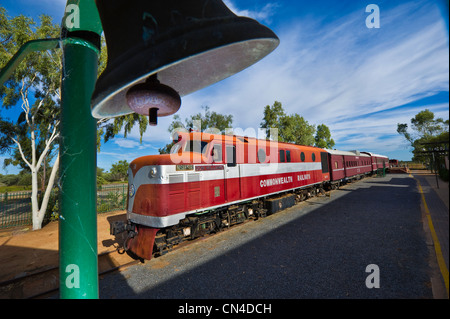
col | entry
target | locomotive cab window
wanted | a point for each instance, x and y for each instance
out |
(216, 153)
(231, 155)
(282, 156)
(196, 146)
(288, 156)
(313, 156)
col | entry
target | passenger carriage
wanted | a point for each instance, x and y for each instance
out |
(348, 165)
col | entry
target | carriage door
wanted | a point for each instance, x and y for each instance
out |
(232, 180)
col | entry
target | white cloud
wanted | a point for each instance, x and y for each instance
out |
(126, 143)
(336, 72)
(264, 14)
(329, 73)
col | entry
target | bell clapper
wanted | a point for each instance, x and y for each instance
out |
(153, 116)
(153, 99)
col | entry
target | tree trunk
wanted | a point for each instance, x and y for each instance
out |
(39, 213)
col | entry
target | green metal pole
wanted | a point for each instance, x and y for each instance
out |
(78, 217)
(78, 160)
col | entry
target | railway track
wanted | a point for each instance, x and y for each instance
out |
(45, 282)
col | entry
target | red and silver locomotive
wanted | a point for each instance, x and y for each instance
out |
(210, 182)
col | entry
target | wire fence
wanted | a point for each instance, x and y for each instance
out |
(15, 207)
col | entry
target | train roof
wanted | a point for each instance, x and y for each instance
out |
(348, 153)
(208, 137)
(375, 155)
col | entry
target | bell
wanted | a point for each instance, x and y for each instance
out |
(161, 50)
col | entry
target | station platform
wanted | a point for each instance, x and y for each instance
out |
(435, 209)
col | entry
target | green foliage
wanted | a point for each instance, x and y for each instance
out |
(272, 117)
(109, 129)
(52, 211)
(217, 123)
(113, 201)
(14, 188)
(24, 179)
(323, 137)
(208, 120)
(294, 128)
(101, 181)
(119, 170)
(35, 83)
(428, 134)
(9, 179)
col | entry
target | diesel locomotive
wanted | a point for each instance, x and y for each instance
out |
(210, 182)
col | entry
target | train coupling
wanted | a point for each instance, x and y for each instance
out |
(118, 227)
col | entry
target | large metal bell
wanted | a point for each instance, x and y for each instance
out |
(185, 45)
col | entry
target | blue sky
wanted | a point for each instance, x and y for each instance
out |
(329, 68)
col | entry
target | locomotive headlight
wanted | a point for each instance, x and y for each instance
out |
(131, 190)
(153, 172)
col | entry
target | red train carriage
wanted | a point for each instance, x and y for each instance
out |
(378, 161)
(211, 181)
(393, 163)
(345, 165)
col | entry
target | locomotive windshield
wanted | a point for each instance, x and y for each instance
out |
(194, 146)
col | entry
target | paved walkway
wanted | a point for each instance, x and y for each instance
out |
(319, 249)
(435, 206)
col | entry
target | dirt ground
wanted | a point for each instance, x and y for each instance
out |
(23, 251)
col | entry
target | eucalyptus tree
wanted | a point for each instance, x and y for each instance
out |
(31, 103)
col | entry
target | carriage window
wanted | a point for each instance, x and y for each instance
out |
(302, 156)
(282, 158)
(336, 164)
(313, 157)
(231, 155)
(288, 156)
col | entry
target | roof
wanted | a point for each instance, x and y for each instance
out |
(348, 153)
(376, 155)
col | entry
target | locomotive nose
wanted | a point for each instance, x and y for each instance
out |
(131, 190)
